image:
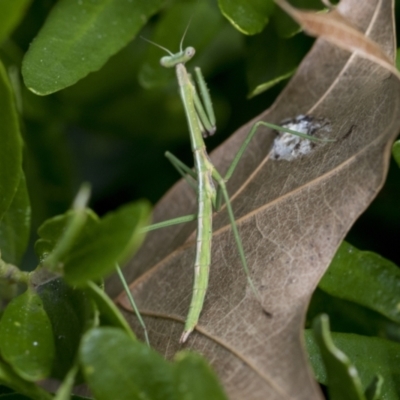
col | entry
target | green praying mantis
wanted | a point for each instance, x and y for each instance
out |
(208, 183)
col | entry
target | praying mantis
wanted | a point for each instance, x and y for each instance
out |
(208, 183)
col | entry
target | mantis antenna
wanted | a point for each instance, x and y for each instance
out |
(156, 44)
(184, 34)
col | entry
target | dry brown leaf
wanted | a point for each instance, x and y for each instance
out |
(292, 215)
(337, 30)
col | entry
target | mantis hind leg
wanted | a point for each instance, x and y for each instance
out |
(238, 240)
(170, 222)
(133, 304)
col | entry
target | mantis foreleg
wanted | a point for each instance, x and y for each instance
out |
(183, 170)
(170, 222)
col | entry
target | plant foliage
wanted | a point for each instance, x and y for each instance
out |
(90, 90)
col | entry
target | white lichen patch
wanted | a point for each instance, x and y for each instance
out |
(288, 146)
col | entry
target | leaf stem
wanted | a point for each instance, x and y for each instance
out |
(13, 274)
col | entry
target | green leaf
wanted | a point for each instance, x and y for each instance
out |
(109, 312)
(76, 223)
(9, 378)
(114, 239)
(398, 59)
(11, 14)
(26, 337)
(135, 371)
(114, 363)
(396, 152)
(370, 355)
(364, 278)
(168, 33)
(195, 378)
(247, 16)
(11, 144)
(374, 390)
(348, 317)
(99, 246)
(15, 226)
(343, 380)
(71, 313)
(52, 229)
(78, 37)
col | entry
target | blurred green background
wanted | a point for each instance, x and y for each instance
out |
(112, 128)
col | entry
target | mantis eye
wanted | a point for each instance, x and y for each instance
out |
(164, 61)
(190, 51)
